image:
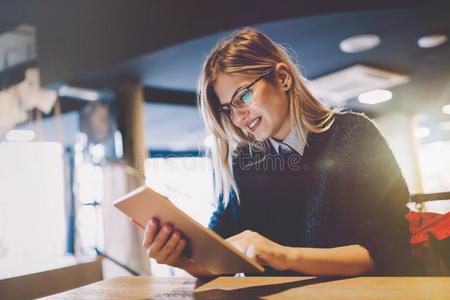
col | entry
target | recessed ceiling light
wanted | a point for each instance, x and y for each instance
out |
(20, 135)
(446, 109)
(359, 43)
(430, 41)
(375, 97)
(422, 132)
(352, 81)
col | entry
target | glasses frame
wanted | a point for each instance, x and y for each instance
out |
(230, 106)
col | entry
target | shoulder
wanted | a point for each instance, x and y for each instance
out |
(348, 120)
(349, 132)
(350, 125)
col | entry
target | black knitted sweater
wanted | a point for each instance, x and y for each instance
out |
(346, 189)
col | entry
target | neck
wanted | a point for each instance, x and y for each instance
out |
(283, 132)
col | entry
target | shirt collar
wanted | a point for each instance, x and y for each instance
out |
(293, 140)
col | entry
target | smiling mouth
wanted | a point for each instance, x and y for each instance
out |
(254, 124)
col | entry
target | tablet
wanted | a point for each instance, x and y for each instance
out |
(203, 245)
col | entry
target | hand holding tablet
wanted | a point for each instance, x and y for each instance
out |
(204, 246)
(165, 244)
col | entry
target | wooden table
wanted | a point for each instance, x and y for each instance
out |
(145, 287)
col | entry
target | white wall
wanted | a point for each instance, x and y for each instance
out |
(32, 223)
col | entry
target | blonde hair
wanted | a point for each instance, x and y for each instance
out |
(249, 52)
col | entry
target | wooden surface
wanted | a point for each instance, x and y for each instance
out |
(31, 286)
(145, 287)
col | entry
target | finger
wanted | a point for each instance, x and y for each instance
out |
(161, 238)
(260, 255)
(177, 251)
(151, 230)
(168, 247)
(251, 251)
(239, 247)
(261, 260)
(239, 236)
(243, 243)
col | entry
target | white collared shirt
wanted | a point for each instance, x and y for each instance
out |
(292, 142)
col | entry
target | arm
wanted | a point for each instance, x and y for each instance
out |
(339, 261)
(346, 260)
(374, 210)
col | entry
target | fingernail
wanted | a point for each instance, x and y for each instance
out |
(251, 251)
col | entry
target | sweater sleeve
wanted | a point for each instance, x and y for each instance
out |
(224, 219)
(376, 204)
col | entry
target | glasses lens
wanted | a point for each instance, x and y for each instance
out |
(246, 97)
(242, 100)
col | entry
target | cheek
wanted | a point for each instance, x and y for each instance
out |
(274, 107)
(281, 105)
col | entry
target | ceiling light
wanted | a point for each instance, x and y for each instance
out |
(422, 132)
(20, 135)
(375, 97)
(430, 41)
(352, 81)
(359, 43)
(446, 109)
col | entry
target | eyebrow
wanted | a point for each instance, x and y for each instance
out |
(249, 84)
(238, 90)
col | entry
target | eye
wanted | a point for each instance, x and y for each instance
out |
(246, 96)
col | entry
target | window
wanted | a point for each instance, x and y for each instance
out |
(32, 222)
(188, 183)
(434, 159)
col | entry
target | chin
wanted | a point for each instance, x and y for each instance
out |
(261, 137)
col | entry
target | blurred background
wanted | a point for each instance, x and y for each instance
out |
(99, 97)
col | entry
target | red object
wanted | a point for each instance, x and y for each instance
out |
(423, 224)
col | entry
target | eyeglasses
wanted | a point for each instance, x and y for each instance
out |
(242, 97)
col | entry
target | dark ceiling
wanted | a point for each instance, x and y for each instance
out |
(162, 43)
(316, 39)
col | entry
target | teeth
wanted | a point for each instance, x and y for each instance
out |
(253, 123)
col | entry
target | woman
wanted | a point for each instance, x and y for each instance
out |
(302, 189)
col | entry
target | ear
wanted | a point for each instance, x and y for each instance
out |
(284, 76)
